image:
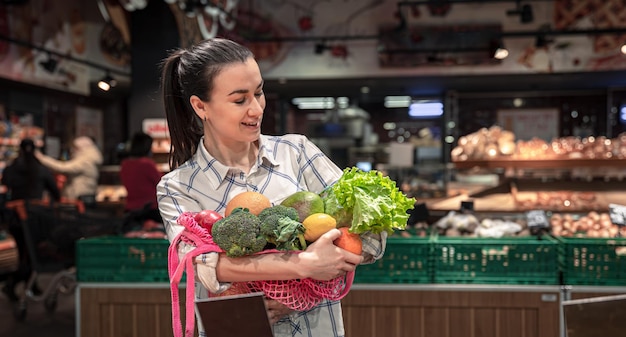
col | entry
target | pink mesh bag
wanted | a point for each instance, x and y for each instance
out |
(299, 295)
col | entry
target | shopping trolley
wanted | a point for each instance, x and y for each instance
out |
(50, 234)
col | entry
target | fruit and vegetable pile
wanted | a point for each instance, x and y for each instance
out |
(357, 203)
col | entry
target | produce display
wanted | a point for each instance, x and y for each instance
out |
(359, 202)
(496, 143)
(592, 224)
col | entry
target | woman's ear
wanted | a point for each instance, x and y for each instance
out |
(198, 106)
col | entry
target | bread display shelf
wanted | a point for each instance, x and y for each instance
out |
(540, 163)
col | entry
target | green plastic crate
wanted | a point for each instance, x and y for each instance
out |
(119, 259)
(593, 261)
(517, 260)
(406, 260)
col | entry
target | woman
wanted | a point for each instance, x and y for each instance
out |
(139, 175)
(214, 103)
(25, 178)
(82, 169)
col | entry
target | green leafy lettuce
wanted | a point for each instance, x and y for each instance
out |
(367, 201)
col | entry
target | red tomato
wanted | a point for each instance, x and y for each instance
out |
(206, 218)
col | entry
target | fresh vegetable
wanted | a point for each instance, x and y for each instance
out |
(281, 210)
(280, 227)
(367, 201)
(239, 233)
(206, 218)
(349, 241)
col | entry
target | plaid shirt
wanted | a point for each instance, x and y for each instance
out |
(286, 164)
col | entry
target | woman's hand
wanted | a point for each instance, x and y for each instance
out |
(276, 310)
(322, 260)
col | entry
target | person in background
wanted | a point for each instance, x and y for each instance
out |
(139, 175)
(81, 169)
(26, 179)
(214, 104)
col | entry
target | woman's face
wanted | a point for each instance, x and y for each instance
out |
(235, 110)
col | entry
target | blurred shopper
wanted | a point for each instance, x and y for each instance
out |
(139, 175)
(81, 170)
(26, 179)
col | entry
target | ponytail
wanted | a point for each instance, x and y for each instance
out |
(184, 127)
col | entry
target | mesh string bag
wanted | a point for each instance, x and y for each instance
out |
(298, 294)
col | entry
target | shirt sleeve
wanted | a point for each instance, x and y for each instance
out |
(71, 166)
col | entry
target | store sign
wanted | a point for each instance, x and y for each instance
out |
(537, 219)
(156, 127)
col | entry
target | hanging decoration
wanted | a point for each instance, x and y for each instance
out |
(210, 15)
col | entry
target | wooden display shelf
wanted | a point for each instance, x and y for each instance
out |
(540, 163)
(138, 310)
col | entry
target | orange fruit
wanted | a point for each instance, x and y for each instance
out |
(255, 202)
(349, 241)
(317, 224)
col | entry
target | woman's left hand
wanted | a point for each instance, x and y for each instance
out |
(276, 310)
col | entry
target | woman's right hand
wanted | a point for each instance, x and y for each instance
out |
(322, 260)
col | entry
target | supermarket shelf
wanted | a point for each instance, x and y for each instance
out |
(540, 163)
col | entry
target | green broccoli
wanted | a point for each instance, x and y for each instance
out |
(280, 226)
(281, 210)
(239, 233)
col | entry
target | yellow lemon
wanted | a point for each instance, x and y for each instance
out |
(317, 224)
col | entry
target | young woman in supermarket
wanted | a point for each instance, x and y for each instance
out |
(214, 103)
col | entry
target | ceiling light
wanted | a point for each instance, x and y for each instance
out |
(501, 53)
(50, 64)
(107, 82)
(497, 50)
(525, 12)
(320, 47)
(426, 109)
(623, 49)
(542, 41)
(397, 101)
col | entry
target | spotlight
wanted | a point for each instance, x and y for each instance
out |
(497, 50)
(107, 82)
(320, 47)
(49, 65)
(542, 41)
(525, 12)
(501, 53)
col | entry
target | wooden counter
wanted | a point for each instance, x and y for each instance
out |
(144, 309)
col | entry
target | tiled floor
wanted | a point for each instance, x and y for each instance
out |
(38, 321)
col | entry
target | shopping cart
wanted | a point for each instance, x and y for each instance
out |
(50, 234)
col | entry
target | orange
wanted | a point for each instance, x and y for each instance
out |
(317, 224)
(253, 201)
(349, 241)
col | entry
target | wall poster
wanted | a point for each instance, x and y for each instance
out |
(529, 123)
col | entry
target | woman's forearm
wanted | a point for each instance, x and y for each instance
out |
(272, 266)
(322, 260)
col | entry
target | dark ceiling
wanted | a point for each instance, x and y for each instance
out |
(438, 85)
